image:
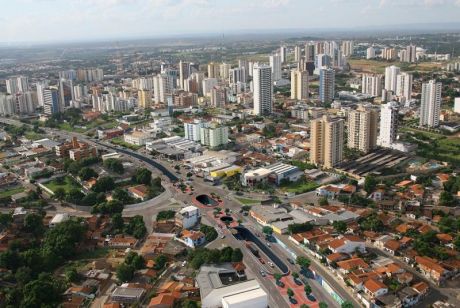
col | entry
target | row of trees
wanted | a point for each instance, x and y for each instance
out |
(201, 256)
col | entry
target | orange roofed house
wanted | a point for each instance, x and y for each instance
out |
(431, 269)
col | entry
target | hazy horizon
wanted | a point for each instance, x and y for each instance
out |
(42, 21)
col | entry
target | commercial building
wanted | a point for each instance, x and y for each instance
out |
(263, 89)
(217, 290)
(51, 101)
(388, 124)
(430, 104)
(326, 85)
(326, 141)
(362, 128)
(218, 97)
(371, 84)
(139, 138)
(188, 217)
(275, 173)
(299, 84)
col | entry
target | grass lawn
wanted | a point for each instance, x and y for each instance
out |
(33, 136)
(435, 146)
(374, 66)
(120, 141)
(68, 184)
(299, 187)
(11, 191)
(70, 128)
(247, 201)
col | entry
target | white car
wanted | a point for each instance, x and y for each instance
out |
(271, 264)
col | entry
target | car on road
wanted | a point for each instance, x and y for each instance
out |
(311, 297)
(222, 236)
(268, 244)
(292, 300)
(280, 284)
(271, 264)
(290, 261)
(298, 282)
(184, 263)
(262, 273)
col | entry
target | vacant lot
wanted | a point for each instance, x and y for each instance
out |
(68, 184)
(378, 67)
(10, 191)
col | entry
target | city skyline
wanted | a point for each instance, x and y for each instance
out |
(51, 20)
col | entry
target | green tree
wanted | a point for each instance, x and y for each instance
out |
(347, 304)
(87, 173)
(267, 230)
(5, 221)
(74, 196)
(114, 165)
(122, 195)
(237, 255)
(277, 276)
(340, 226)
(143, 176)
(104, 184)
(23, 275)
(117, 222)
(135, 260)
(44, 292)
(370, 183)
(160, 262)
(323, 201)
(322, 305)
(136, 227)
(59, 193)
(307, 289)
(33, 223)
(71, 275)
(304, 306)
(189, 304)
(304, 262)
(290, 293)
(125, 272)
(446, 199)
(295, 275)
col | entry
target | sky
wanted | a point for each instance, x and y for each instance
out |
(68, 20)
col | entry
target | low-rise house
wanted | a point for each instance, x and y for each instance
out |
(139, 191)
(421, 288)
(408, 296)
(347, 244)
(193, 238)
(121, 242)
(59, 218)
(431, 269)
(375, 288)
(350, 265)
(391, 246)
(128, 294)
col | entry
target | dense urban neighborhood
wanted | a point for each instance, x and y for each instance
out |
(294, 172)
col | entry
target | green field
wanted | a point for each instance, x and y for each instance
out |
(247, 201)
(432, 145)
(299, 187)
(10, 192)
(121, 142)
(378, 66)
(67, 185)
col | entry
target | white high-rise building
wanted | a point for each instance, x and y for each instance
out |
(17, 84)
(237, 75)
(208, 84)
(275, 63)
(40, 87)
(391, 75)
(244, 64)
(411, 54)
(299, 85)
(347, 48)
(457, 105)
(283, 54)
(224, 71)
(388, 124)
(297, 53)
(192, 130)
(372, 84)
(263, 89)
(404, 85)
(214, 135)
(430, 103)
(370, 53)
(362, 128)
(7, 105)
(162, 87)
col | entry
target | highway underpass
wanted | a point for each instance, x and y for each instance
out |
(245, 234)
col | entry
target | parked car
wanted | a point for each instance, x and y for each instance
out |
(271, 264)
(290, 261)
(262, 273)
